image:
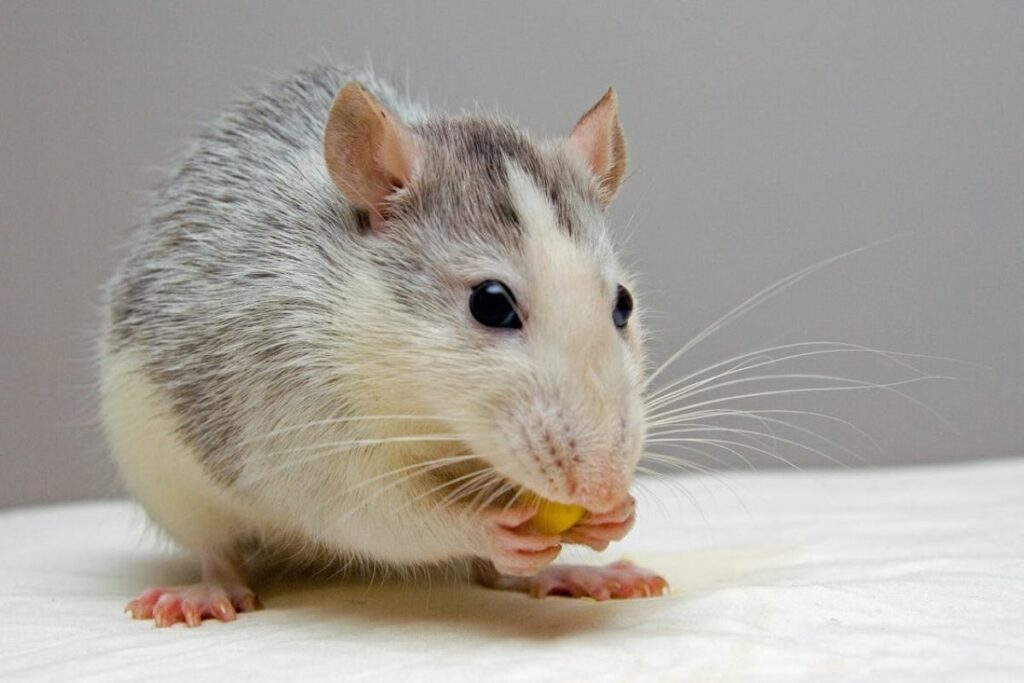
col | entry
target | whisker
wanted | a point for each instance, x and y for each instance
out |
(859, 386)
(358, 443)
(676, 486)
(468, 482)
(419, 468)
(426, 465)
(346, 420)
(662, 395)
(697, 427)
(716, 459)
(478, 507)
(771, 454)
(753, 414)
(688, 466)
(764, 295)
(790, 442)
(364, 503)
(645, 492)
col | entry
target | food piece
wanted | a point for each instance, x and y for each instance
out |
(553, 518)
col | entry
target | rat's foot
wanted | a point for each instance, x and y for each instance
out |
(597, 531)
(515, 549)
(617, 581)
(191, 604)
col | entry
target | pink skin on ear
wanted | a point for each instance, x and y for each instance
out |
(597, 139)
(369, 153)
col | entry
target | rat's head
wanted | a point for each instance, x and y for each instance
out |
(498, 303)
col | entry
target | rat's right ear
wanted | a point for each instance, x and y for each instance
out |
(369, 153)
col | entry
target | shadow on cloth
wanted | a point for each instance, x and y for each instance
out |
(453, 604)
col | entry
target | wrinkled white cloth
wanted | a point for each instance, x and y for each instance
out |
(883, 575)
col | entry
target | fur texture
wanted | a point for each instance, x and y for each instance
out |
(261, 341)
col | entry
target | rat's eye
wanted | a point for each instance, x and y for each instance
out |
(623, 307)
(493, 305)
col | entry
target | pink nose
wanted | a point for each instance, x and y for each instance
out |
(599, 496)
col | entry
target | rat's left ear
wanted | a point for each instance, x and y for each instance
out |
(597, 139)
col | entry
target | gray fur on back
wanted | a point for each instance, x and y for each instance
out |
(238, 292)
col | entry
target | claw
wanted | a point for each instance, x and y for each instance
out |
(192, 604)
(621, 580)
(191, 614)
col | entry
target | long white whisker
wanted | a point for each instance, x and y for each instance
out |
(672, 482)
(343, 446)
(645, 492)
(479, 506)
(468, 480)
(859, 386)
(748, 432)
(757, 299)
(758, 414)
(419, 469)
(295, 463)
(346, 420)
(742, 444)
(663, 395)
(686, 466)
(803, 430)
(715, 459)
(472, 487)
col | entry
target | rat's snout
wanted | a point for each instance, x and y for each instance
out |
(599, 495)
(589, 470)
(580, 457)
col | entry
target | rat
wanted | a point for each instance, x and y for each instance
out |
(351, 329)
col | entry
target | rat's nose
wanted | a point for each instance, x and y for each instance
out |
(598, 496)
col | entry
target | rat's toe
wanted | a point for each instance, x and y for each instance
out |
(192, 604)
(618, 581)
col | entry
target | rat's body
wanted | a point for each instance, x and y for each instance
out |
(290, 363)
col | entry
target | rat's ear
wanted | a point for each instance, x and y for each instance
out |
(369, 153)
(597, 138)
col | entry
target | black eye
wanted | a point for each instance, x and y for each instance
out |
(493, 305)
(623, 307)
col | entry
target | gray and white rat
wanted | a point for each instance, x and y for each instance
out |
(353, 329)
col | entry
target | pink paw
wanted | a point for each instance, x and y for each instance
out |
(597, 531)
(191, 604)
(619, 580)
(515, 549)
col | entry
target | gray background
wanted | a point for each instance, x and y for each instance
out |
(763, 138)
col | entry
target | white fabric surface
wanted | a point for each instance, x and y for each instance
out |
(914, 574)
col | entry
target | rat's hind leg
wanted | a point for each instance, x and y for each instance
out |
(165, 475)
(221, 594)
(616, 581)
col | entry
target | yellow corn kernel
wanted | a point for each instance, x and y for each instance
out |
(553, 518)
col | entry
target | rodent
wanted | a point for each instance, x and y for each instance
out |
(350, 327)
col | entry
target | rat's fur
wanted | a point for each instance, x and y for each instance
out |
(259, 335)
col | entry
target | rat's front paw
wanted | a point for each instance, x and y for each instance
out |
(515, 548)
(620, 580)
(191, 604)
(597, 531)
